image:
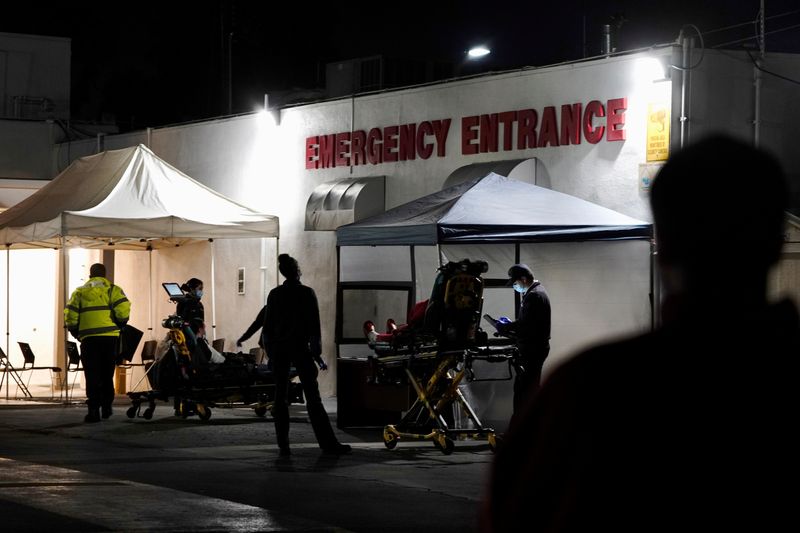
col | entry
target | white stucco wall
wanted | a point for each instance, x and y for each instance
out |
(262, 165)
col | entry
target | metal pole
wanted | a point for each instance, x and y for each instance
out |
(65, 283)
(655, 289)
(757, 78)
(263, 269)
(684, 82)
(8, 309)
(230, 73)
(213, 296)
(277, 253)
(150, 324)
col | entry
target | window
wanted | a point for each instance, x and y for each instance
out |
(240, 281)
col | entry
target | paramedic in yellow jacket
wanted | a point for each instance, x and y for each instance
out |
(94, 315)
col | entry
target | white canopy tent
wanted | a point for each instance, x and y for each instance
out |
(126, 199)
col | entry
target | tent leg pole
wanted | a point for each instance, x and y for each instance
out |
(655, 290)
(8, 309)
(277, 254)
(150, 324)
(263, 268)
(413, 258)
(65, 285)
(213, 296)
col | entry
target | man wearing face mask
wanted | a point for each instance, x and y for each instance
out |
(531, 331)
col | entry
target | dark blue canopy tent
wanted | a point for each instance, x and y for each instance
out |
(492, 209)
(596, 264)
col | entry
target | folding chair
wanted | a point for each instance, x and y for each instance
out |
(148, 354)
(30, 365)
(11, 373)
(218, 345)
(73, 365)
(148, 358)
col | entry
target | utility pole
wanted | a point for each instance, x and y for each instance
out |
(230, 73)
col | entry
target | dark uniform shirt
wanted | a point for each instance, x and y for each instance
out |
(291, 321)
(532, 328)
(192, 311)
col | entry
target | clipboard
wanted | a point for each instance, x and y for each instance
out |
(488, 318)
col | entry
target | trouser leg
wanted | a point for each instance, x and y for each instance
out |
(527, 382)
(92, 372)
(107, 366)
(98, 355)
(280, 410)
(307, 372)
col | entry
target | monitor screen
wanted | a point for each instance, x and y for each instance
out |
(173, 289)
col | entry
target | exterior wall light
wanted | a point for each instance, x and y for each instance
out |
(478, 52)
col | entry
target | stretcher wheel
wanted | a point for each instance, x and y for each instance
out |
(389, 440)
(131, 412)
(444, 444)
(261, 410)
(203, 412)
(148, 413)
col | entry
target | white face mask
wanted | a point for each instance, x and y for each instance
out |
(198, 293)
(519, 287)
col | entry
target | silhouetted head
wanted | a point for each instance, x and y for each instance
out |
(97, 270)
(718, 207)
(194, 287)
(287, 265)
(518, 272)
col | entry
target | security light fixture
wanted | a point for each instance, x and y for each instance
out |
(478, 52)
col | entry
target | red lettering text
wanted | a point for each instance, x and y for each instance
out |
(590, 133)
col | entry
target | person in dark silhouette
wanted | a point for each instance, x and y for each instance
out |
(531, 330)
(95, 314)
(690, 426)
(292, 336)
(190, 308)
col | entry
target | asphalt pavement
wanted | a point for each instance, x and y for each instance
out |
(168, 473)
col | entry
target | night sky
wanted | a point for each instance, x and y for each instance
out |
(154, 63)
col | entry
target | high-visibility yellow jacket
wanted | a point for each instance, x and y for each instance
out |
(97, 308)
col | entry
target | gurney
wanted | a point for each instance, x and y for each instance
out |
(436, 360)
(185, 374)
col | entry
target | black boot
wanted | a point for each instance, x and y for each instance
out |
(337, 449)
(92, 416)
(106, 411)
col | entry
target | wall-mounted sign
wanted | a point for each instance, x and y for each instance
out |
(647, 173)
(657, 132)
(510, 130)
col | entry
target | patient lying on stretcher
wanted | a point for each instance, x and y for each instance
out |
(414, 324)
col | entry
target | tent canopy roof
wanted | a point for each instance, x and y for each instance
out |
(493, 209)
(127, 199)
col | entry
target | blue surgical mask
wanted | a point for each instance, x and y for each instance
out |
(198, 293)
(519, 287)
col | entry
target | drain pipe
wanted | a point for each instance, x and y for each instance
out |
(757, 78)
(686, 44)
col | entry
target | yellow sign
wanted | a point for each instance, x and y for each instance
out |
(657, 132)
